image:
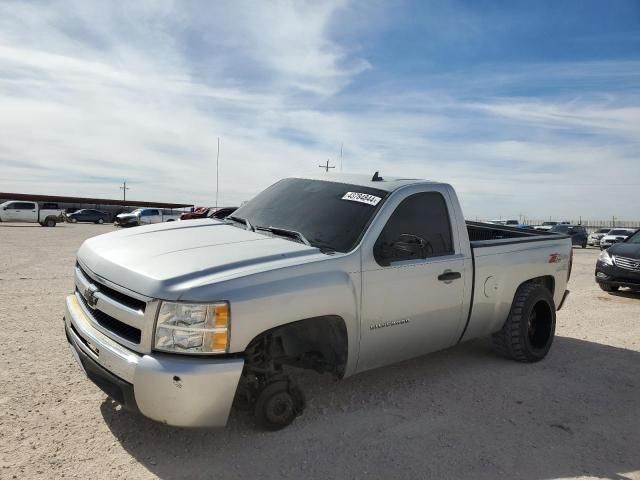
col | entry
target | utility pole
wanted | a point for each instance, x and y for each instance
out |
(326, 167)
(124, 189)
(217, 172)
(341, 145)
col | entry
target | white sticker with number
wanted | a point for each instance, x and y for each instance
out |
(362, 198)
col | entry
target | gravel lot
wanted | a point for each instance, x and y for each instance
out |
(461, 413)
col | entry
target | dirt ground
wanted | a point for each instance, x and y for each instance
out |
(460, 413)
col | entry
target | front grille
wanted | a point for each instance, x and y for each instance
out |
(627, 263)
(127, 332)
(119, 297)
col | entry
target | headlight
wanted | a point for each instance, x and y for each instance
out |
(193, 328)
(605, 258)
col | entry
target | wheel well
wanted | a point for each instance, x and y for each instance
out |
(318, 343)
(546, 281)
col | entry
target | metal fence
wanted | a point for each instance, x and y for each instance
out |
(591, 225)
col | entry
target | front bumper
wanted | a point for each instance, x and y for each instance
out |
(615, 276)
(173, 389)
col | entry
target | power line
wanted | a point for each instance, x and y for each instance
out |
(326, 166)
(124, 189)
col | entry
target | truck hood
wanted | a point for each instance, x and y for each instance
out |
(165, 260)
(629, 250)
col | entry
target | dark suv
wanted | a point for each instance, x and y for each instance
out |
(578, 233)
(619, 265)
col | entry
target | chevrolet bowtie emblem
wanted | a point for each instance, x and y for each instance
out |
(90, 295)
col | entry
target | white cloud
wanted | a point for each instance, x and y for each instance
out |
(93, 92)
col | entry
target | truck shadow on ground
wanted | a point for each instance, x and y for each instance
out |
(460, 413)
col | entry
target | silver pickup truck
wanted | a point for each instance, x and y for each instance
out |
(336, 274)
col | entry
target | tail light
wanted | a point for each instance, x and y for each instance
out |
(570, 265)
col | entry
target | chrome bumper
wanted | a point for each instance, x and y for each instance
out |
(176, 390)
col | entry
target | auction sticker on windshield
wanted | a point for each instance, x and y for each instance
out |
(362, 198)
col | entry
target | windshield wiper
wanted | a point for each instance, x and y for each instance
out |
(286, 233)
(243, 221)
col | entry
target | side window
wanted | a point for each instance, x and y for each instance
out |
(24, 206)
(11, 206)
(418, 228)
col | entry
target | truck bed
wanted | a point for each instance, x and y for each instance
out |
(503, 257)
(490, 234)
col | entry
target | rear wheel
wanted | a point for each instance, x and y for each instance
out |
(528, 332)
(50, 222)
(584, 245)
(609, 288)
(100, 221)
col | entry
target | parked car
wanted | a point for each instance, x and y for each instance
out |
(173, 322)
(546, 226)
(594, 238)
(29, 212)
(88, 215)
(198, 212)
(222, 212)
(615, 235)
(511, 223)
(208, 212)
(577, 232)
(619, 265)
(144, 216)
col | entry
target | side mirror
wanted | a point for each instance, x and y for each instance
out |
(405, 247)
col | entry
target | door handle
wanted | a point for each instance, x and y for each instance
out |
(448, 276)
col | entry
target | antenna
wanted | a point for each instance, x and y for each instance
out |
(326, 167)
(376, 177)
(124, 189)
(217, 172)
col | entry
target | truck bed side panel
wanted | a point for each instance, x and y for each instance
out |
(500, 268)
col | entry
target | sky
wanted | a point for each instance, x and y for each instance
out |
(526, 108)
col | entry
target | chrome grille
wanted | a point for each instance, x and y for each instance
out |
(114, 325)
(627, 263)
(125, 318)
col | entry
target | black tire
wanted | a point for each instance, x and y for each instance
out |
(528, 332)
(73, 220)
(101, 221)
(50, 222)
(584, 245)
(609, 288)
(278, 405)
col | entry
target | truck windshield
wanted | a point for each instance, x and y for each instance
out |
(329, 215)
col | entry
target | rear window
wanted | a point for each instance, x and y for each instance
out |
(619, 232)
(560, 228)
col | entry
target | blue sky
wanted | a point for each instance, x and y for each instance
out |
(525, 107)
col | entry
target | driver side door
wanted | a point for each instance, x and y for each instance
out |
(412, 284)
